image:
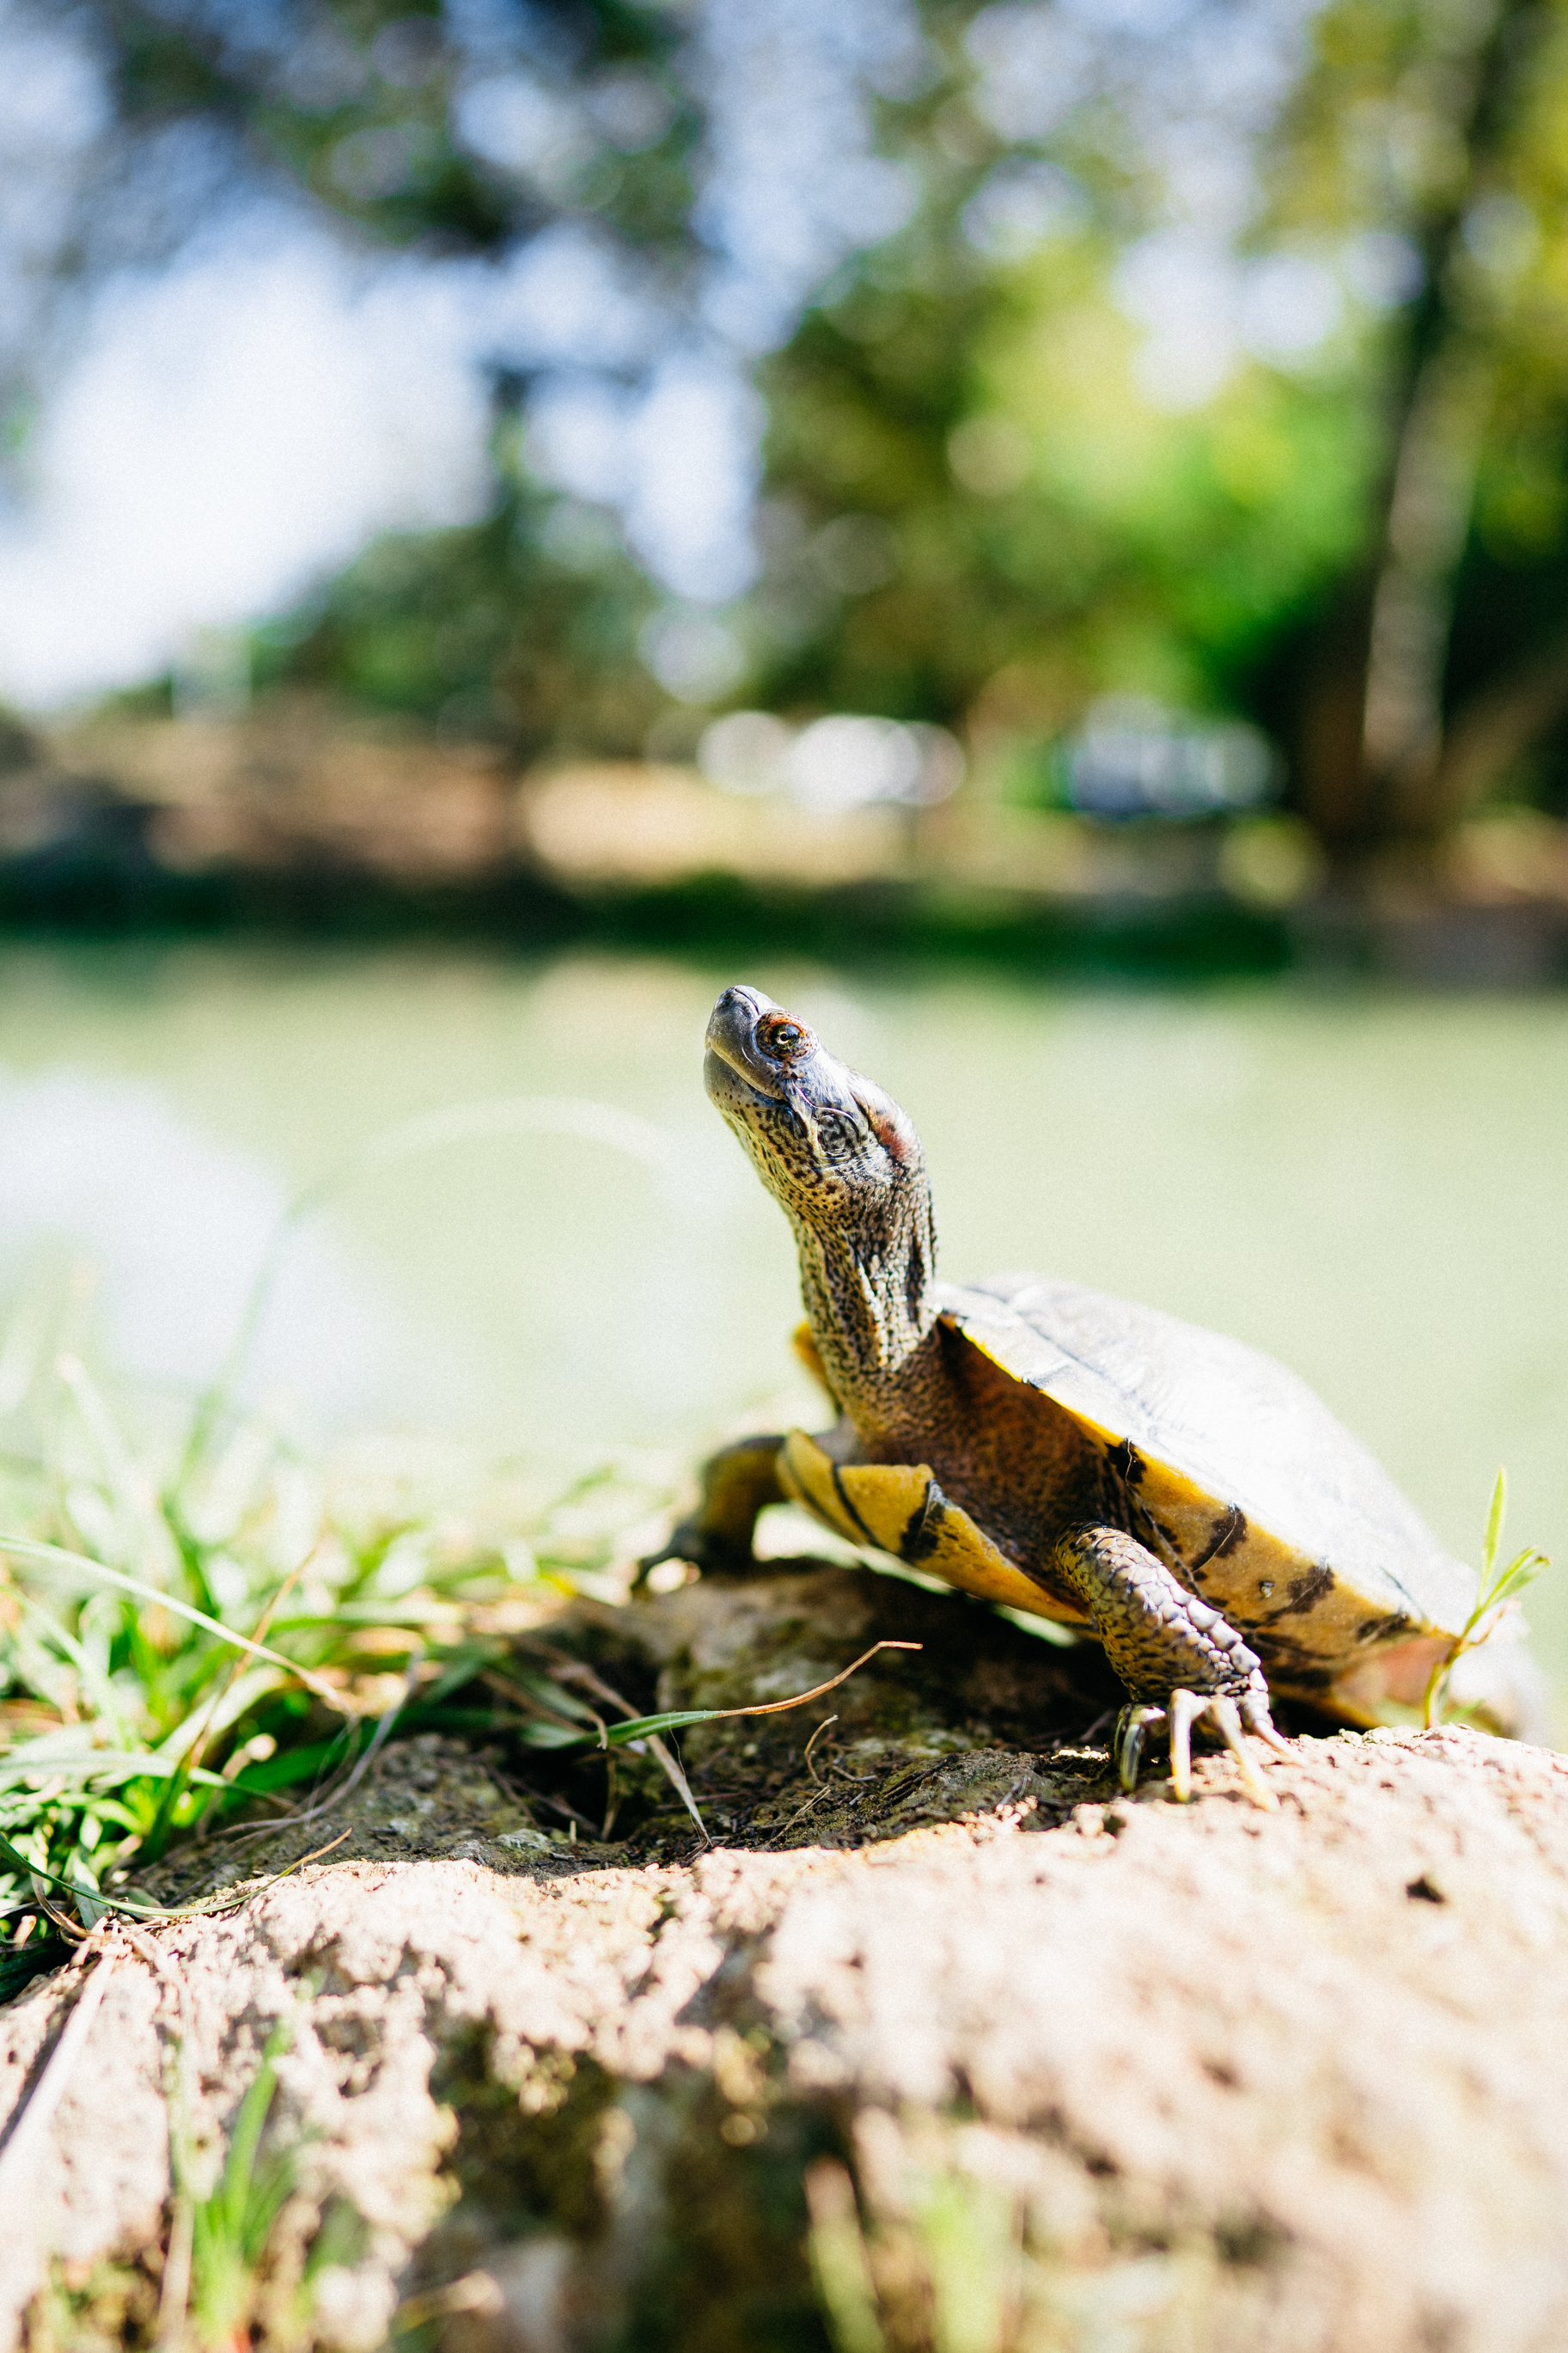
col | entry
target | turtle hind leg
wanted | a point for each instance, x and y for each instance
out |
(1183, 1665)
(737, 1483)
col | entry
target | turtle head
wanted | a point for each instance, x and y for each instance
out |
(830, 1145)
(843, 1161)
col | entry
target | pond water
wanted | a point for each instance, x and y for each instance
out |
(1370, 1186)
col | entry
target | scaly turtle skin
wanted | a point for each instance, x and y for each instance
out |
(1180, 1495)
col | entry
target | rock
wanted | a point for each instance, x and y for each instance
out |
(1049, 2069)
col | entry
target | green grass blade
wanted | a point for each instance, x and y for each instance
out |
(840, 2267)
(291, 1765)
(544, 1692)
(1495, 1518)
(538, 1732)
(84, 1768)
(1495, 1591)
(248, 2126)
(97, 1686)
(56, 1556)
(33, 1871)
(1523, 1570)
(143, 1529)
(650, 1727)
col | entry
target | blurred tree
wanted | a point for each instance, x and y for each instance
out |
(1019, 451)
(980, 511)
(521, 627)
(1359, 539)
(645, 192)
(473, 124)
(1442, 126)
(468, 131)
(977, 509)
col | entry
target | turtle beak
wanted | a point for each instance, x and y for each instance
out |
(734, 1068)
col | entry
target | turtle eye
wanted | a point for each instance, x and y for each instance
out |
(783, 1039)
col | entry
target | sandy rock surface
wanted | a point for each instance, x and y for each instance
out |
(1102, 2074)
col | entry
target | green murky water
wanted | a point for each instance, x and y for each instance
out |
(1370, 1186)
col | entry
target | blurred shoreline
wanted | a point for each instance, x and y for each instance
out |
(302, 817)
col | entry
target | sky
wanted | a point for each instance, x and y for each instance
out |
(231, 428)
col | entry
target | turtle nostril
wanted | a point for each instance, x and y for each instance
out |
(732, 1026)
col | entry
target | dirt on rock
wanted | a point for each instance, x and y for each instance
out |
(941, 2045)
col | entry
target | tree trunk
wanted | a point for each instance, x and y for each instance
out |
(1372, 765)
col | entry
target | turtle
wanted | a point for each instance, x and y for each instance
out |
(1174, 1493)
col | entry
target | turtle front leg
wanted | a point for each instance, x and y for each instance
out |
(1181, 1660)
(738, 1482)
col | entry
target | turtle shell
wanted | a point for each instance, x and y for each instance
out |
(1243, 1480)
(1239, 1477)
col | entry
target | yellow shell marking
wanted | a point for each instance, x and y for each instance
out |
(898, 1508)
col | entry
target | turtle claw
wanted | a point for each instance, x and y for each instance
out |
(1185, 1709)
(1255, 1717)
(1225, 1714)
(1180, 1713)
(1131, 1731)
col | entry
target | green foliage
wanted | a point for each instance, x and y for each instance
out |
(230, 2228)
(1500, 1586)
(974, 510)
(361, 119)
(989, 423)
(176, 1644)
(521, 629)
(282, 1630)
(230, 2276)
(951, 2280)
